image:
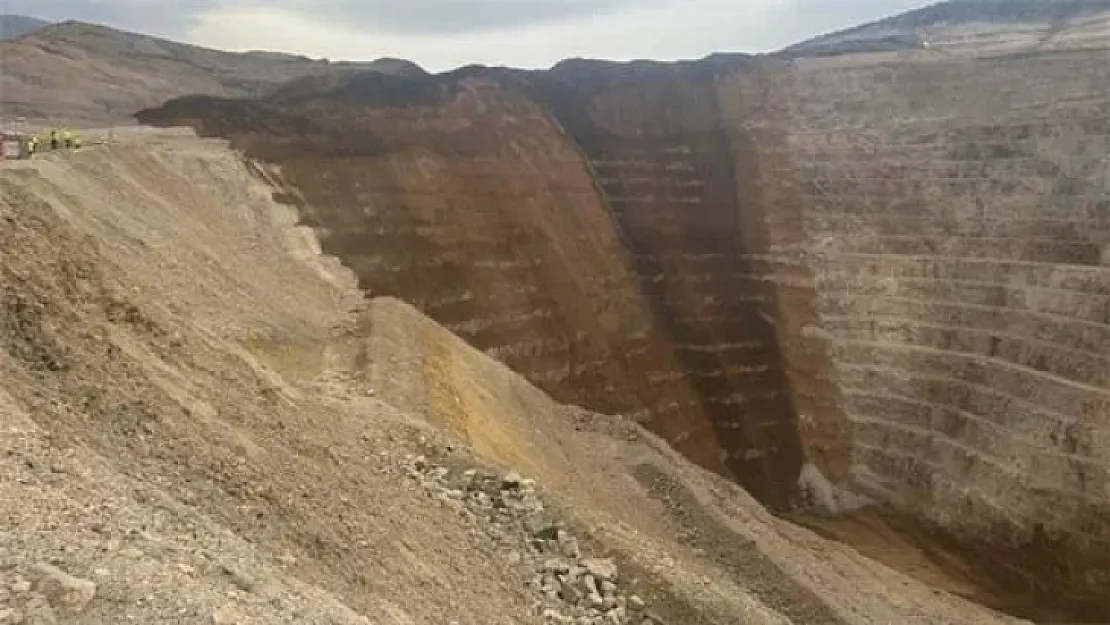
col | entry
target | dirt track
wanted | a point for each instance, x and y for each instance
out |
(205, 419)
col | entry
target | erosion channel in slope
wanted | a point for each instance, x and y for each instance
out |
(638, 239)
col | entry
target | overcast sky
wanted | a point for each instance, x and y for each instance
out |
(443, 34)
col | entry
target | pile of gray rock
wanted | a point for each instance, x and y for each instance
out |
(572, 588)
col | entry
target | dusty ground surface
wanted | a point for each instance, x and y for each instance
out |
(204, 421)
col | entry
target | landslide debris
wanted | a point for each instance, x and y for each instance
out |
(571, 587)
(785, 269)
(204, 421)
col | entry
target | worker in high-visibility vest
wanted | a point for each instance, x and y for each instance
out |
(67, 138)
(32, 145)
(77, 141)
(55, 140)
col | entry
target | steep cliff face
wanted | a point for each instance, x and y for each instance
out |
(464, 198)
(960, 224)
(681, 176)
(848, 272)
(595, 227)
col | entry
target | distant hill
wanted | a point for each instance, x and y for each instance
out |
(87, 75)
(12, 26)
(904, 31)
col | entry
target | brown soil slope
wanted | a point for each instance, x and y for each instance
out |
(188, 431)
(848, 270)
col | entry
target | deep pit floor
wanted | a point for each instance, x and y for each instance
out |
(902, 544)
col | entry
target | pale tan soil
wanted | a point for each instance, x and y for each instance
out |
(204, 418)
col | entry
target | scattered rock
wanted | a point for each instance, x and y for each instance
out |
(553, 616)
(595, 600)
(604, 569)
(568, 544)
(589, 584)
(573, 574)
(570, 594)
(511, 480)
(69, 594)
(572, 590)
(554, 565)
(541, 525)
(550, 584)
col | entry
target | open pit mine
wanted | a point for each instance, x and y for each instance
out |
(874, 289)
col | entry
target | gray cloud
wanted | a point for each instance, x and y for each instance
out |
(168, 18)
(417, 17)
(446, 33)
(402, 17)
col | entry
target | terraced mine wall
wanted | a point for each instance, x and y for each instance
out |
(888, 273)
(471, 204)
(608, 260)
(682, 178)
(959, 222)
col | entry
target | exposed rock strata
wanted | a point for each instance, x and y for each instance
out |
(862, 267)
(959, 222)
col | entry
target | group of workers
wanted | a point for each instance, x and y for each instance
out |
(56, 140)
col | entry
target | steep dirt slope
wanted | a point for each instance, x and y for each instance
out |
(154, 452)
(204, 422)
(88, 75)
